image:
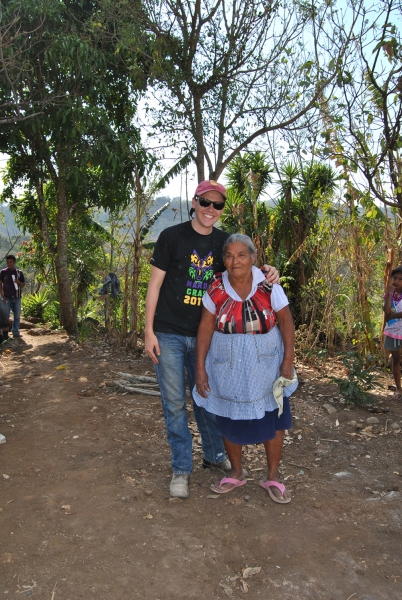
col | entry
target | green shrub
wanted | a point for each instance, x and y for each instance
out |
(51, 314)
(361, 378)
(34, 305)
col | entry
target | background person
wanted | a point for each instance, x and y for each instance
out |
(393, 327)
(12, 281)
(185, 258)
(240, 354)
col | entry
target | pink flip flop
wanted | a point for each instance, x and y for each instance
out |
(235, 482)
(268, 484)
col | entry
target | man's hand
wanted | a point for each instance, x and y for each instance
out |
(201, 382)
(271, 274)
(152, 346)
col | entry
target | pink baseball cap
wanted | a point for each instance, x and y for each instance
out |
(210, 186)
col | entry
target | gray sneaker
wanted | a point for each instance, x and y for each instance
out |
(179, 486)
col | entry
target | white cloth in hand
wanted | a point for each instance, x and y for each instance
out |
(279, 384)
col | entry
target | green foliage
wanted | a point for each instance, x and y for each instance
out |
(72, 148)
(42, 305)
(145, 274)
(51, 314)
(249, 176)
(362, 376)
(303, 194)
(34, 305)
(86, 256)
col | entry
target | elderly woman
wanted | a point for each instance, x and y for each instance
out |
(241, 353)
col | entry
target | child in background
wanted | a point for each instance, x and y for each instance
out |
(393, 328)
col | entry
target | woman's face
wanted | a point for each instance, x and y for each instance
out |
(237, 260)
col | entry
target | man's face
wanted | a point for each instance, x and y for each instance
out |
(10, 263)
(206, 217)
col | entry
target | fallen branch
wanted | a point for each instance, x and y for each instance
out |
(299, 466)
(54, 591)
(136, 390)
(141, 378)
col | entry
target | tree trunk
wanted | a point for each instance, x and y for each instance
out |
(136, 266)
(124, 308)
(199, 137)
(134, 293)
(68, 317)
(108, 325)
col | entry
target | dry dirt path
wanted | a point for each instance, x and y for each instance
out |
(85, 509)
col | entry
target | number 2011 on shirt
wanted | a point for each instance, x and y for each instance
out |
(194, 300)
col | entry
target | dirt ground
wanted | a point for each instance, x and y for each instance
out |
(84, 493)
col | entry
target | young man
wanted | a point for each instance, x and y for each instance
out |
(185, 258)
(11, 283)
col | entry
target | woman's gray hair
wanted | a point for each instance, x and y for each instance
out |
(240, 237)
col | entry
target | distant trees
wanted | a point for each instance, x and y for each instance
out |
(67, 104)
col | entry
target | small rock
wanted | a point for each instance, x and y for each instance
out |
(6, 476)
(247, 498)
(392, 426)
(317, 504)
(175, 500)
(123, 498)
(342, 474)
(148, 492)
(113, 398)
(2, 439)
(331, 410)
(90, 393)
(391, 495)
(373, 420)
(352, 464)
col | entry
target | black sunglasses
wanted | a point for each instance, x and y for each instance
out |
(205, 203)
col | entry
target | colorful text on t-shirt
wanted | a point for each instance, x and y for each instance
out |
(200, 273)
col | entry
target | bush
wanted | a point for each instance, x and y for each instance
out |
(34, 305)
(362, 377)
(51, 314)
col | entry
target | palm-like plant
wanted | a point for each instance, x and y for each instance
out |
(301, 194)
(248, 176)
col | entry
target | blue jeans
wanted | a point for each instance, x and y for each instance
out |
(14, 304)
(177, 354)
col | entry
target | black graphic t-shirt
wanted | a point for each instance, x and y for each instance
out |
(190, 260)
(6, 276)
